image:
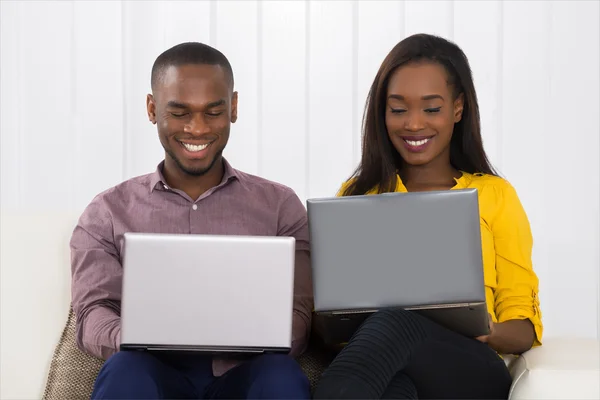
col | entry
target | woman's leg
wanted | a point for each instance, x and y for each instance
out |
(394, 341)
(401, 387)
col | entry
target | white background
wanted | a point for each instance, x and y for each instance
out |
(74, 76)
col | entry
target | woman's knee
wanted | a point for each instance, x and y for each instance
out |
(395, 317)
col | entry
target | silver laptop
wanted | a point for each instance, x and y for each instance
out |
(419, 251)
(210, 294)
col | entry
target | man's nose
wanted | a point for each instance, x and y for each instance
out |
(197, 125)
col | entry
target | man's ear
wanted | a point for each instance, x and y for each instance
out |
(151, 108)
(234, 105)
(459, 105)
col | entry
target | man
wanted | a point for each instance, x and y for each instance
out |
(194, 190)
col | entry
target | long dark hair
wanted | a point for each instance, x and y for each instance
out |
(380, 161)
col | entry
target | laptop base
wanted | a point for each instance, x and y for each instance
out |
(471, 320)
(208, 350)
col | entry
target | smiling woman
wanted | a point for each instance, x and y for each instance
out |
(422, 133)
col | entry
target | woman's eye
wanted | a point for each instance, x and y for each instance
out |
(433, 110)
(397, 111)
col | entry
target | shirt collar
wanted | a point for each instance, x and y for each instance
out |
(158, 181)
(461, 183)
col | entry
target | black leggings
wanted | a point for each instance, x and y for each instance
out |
(398, 354)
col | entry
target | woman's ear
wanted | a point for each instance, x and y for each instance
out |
(459, 105)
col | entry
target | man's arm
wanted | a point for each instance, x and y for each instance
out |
(96, 282)
(293, 221)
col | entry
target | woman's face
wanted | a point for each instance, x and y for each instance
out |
(421, 112)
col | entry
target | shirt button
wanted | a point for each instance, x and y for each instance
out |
(194, 207)
(166, 187)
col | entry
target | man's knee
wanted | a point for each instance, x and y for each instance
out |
(280, 376)
(127, 373)
(127, 362)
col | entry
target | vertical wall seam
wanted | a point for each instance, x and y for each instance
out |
(20, 144)
(74, 112)
(500, 87)
(307, 93)
(124, 125)
(356, 111)
(452, 17)
(259, 87)
(212, 34)
(402, 22)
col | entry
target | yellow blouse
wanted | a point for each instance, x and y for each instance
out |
(511, 285)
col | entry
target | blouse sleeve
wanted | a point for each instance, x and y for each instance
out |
(516, 294)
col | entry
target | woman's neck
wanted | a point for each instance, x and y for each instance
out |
(432, 176)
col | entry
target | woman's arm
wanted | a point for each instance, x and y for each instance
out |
(516, 302)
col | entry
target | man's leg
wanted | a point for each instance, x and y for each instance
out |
(270, 376)
(139, 375)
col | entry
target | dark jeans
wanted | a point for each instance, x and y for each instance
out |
(398, 354)
(140, 375)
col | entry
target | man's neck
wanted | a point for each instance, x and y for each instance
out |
(193, 186)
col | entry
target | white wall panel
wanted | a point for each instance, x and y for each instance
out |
(144, 31)
(74, 118)
(235, 20)
(524, 103)
(478, 31)
(47, 139)
(283, 92)
(380, 28)
(10, 99)
(433, 17)
(571, 145)
(186, 21)
(331, 129)
(97, 98)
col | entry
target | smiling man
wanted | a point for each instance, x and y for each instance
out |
(193, 191)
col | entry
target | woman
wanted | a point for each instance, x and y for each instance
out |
(422, 133)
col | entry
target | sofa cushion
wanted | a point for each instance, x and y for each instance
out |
(563, 368)
(73, 372)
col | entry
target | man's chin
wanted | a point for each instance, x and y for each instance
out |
(197, 167)
(199, 170)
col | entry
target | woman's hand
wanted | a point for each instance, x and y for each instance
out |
(486, 338)
(510, 337)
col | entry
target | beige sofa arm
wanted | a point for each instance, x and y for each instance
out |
(562, 369)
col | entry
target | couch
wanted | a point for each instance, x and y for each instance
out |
(39, 359)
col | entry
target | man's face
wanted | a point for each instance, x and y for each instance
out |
(193, 107)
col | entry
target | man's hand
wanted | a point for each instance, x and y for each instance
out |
(486, 338)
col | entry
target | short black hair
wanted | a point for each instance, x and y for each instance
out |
(193, 53)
